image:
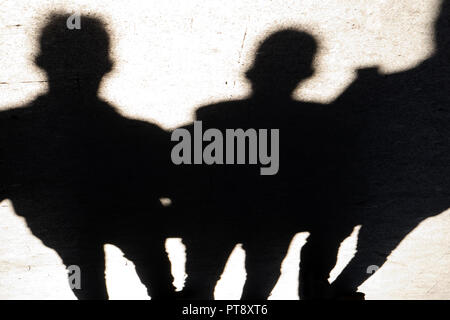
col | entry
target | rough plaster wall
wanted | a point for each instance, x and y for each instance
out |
(173, 56)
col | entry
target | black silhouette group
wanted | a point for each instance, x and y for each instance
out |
(83, 175)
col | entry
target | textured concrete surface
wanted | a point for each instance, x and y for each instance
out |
(173, 56)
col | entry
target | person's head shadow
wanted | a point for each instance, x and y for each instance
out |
(74, 60)
(282, 61)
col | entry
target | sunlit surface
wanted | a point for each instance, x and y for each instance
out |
(233, 278)
(287, 285)
(177, 255)
(346, 251)
(122, 281)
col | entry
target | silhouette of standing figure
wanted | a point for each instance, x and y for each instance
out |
(81, 174)
(263, 212)
(404, 153)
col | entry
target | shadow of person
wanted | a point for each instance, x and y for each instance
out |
(81, 174)
(264, 212)
(403, 154)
